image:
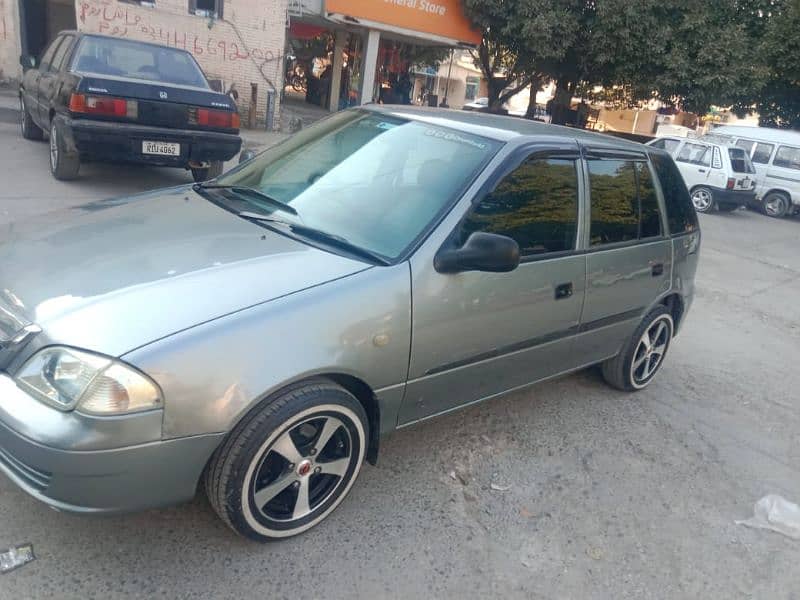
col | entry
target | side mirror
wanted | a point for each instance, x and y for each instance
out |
(246, 155)
(27, 61)
(481, 252)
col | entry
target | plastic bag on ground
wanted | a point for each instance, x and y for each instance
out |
(777, 514)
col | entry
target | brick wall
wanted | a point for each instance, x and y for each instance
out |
(9, 42)
(245, 47)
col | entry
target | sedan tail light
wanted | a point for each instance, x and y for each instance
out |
(106, 106)
(216, 119)
(731, 183)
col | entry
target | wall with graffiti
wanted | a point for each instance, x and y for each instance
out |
(9, 41)
(244, 46)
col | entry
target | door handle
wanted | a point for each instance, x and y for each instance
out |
(657, 269)
(701, 170)
(563, 291)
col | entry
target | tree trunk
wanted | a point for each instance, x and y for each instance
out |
(561, 104)
(531, 112)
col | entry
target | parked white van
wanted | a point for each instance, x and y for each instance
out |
(717, 175)
(776, 156)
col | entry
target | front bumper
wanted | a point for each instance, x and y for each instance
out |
(109, 141)
(99, 480)
(734, 197)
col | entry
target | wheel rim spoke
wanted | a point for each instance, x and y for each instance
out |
(301, 506)
(335, 467)
(286, 448)
(330, 427)
(266, 494)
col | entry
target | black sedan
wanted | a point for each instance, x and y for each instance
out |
(104, 98)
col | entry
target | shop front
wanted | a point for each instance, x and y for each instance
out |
(349, 52)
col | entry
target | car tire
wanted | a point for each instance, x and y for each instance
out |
(703, 199)
(270, 479)
(214, 169)
(642, 356)
(30, 130)
(776, 205)
(64, 165)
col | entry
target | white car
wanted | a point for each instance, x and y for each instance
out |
(776, 156)
(717, 175)
(479, 104)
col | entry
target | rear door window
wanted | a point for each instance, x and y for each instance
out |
(47, 57)
(681, 216)
(624, 202)
(536, 205)
(762, 153)
(63, 50)
(695, 154)
(747, 145)
(787, 157)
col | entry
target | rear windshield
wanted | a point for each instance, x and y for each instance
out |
(125, 58)
(740, 161)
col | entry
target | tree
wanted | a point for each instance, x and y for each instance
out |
(519, 37)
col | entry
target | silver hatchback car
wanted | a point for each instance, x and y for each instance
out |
(259, 333)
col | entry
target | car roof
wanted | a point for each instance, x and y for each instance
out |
(498, 127)
(83, 34)
(768, 134)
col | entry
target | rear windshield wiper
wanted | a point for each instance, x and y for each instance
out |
(247, 191)
(330, 239)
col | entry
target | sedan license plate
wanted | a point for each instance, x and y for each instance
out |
(162, 148)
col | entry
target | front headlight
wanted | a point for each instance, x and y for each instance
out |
(67, 378)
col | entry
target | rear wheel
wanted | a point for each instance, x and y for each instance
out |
(776, 204)
(30, 130)
(290, 463)
(642, 356)
(703, 199)
(214, 169)
(64, 165)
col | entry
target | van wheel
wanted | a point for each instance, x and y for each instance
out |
(703, 199)
(776, 204)
(214, 169)
(642, 356)
(30, 130)
(63, 165)
(289, 463)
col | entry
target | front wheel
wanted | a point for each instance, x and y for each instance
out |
(642, 356)
(776, 205)
(289, 463)
(703, 199)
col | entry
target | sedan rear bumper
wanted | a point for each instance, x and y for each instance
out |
(112, 480)
(109, 141)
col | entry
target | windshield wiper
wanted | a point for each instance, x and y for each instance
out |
(247, 191)
(321, 236)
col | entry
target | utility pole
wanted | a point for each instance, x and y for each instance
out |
(444, 103)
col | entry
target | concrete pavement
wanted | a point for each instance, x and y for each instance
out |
(611, 495)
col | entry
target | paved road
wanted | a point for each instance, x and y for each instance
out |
(612, 495)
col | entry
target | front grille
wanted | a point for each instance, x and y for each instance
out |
(36, 478)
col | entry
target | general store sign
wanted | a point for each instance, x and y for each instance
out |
(443, 18)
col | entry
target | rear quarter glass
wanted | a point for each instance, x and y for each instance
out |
(681, 216)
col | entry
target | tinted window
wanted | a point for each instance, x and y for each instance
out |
(651, 214)
(740, 162)
(47, 57)
(681, 216)
(536, 205)
(788, 157)
(615, 201)
(762, 153)
(746, 144)
(63, 49)
(125, 58)
(696, 154)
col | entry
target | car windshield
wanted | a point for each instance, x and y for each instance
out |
(378, 181)
(149, 62)
(740, 161)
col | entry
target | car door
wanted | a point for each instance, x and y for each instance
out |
(476, 334)
(31, 81)
(694, 163)
(629, 256)
(50, 79)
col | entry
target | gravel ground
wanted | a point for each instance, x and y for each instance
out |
(610, 495)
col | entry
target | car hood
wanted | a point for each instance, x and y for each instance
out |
(114, 275)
